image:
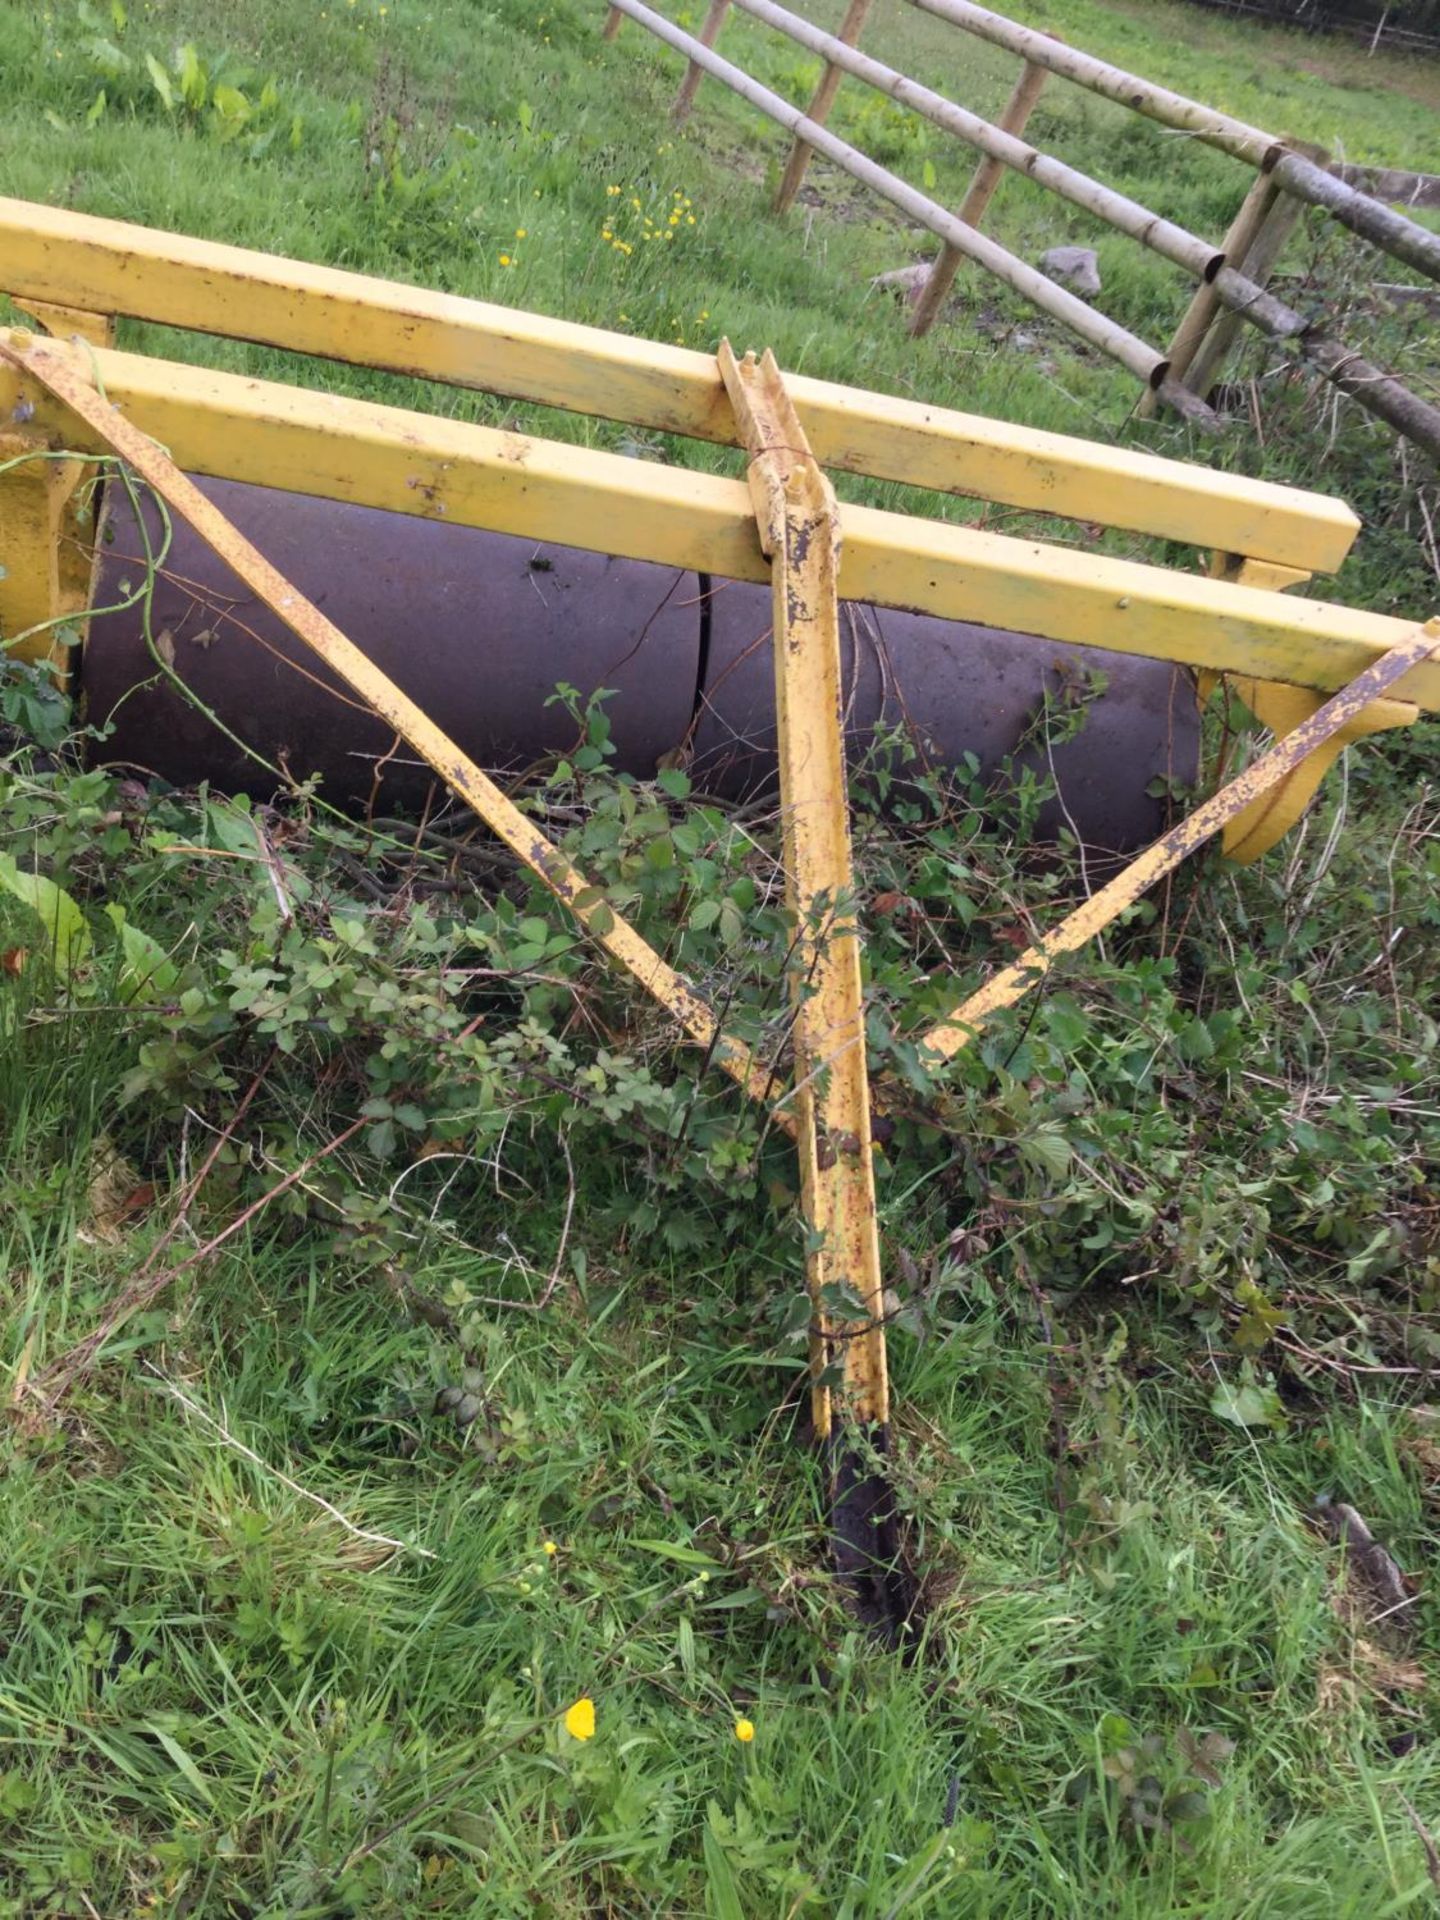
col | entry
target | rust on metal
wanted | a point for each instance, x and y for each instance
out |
(1342, 710)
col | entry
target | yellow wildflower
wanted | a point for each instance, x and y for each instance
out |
(519, 233)
(612, 190)
(745, 1731)
(580, 1719)
(505, 260)
(551, 1549)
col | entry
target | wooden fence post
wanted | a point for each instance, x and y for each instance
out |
(612, 24)
(819, 108)
(1265, 248)
(1201, 312)
(709, 34)
(977, 198)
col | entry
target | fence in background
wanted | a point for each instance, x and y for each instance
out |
(1232, 276)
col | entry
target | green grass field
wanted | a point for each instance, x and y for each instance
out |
(495, 1406)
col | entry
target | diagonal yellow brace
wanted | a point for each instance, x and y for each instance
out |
(308, 624)
(799, 530)
(1281, 708)
(1342, 711)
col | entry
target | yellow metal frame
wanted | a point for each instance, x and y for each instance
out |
(800, 533)
(107, 267)
(782, 523)
(227, 426)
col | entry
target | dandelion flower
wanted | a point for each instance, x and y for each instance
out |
(520, 233)
(580, 1719)
(551, 1549)
(505, 260)
(744, 1730)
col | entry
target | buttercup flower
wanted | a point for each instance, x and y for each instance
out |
(580, 1719)
(551, 1549)
(745, 1731)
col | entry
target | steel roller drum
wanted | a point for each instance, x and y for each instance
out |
(480, 628)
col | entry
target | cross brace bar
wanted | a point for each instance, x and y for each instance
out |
(1339, 714)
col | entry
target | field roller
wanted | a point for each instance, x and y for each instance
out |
(388, 598)
(685, 658)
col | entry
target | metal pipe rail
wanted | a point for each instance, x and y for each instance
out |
(1148, 366)
(1187, 250)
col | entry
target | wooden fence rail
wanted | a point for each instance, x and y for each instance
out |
(1187, 250)
(1288, 175)
(1380, 225)
(1394, 186)
(1148, 366)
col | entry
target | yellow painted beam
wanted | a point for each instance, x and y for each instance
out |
(235, 428)
(66, 322)
(108, 267)
(1270, 817)
(1281, 708)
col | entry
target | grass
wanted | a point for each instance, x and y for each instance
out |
(1167, 1265)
